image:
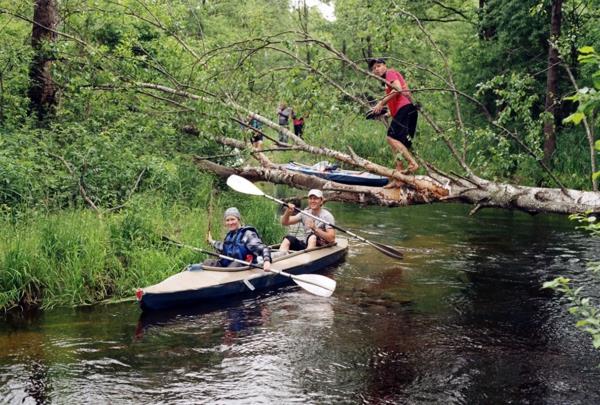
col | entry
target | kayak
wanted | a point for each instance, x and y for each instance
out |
(195, 285)
(339, 175)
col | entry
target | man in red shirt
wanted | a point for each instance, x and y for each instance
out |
(403, 112)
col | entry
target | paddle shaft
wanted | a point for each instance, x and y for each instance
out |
(243, 185)
(245, 263)
(389, 251)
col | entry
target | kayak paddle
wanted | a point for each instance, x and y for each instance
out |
(245, 186)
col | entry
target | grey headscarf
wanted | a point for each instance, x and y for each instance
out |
(232, 212)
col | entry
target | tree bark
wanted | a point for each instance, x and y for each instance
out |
(42, 91)
(435, 187)
(552, 83)
(486, 30)
(485, 195)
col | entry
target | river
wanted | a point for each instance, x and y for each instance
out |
(462, 319)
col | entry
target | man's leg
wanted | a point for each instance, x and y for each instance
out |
(398, 146)
(257, 145)
(283, 137)
(312, 242)
(393, 183)
(285, 245)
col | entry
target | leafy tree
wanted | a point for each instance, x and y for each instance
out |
(581, 307)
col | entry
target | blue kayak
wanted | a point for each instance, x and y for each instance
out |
(332, 173)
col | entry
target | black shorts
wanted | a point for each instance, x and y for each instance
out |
(297, 244)
(298, 130)
(256, 138)
(404, 125)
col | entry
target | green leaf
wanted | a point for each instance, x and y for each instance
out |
(558, 281)
(581, 323)
(586, 49)
(596, 342)
(575, 118)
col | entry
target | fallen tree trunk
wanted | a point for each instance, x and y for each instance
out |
(427, 188)
(435, 187)
(485, 194)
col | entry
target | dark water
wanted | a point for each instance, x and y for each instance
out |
(461, 320)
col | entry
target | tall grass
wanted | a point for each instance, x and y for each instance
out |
(73, 257)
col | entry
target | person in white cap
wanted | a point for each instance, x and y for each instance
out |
(241, 242)
(317, 233)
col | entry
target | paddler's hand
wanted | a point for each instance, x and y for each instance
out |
(266, 266)
(209, 238)
(310, 223)
(290, 209)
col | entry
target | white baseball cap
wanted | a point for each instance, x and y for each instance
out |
(316, 193)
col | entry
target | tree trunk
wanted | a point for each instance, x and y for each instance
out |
(306, 13)
(552, 83)
(486, 30)
(435, 187)
(485, 195)
(42, 92)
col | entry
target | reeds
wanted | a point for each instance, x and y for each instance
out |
(73, 257)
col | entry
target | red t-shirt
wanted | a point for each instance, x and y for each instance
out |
(399, 100)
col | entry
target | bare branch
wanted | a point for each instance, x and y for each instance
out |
(81, 188)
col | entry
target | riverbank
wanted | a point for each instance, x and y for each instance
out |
(76, 257)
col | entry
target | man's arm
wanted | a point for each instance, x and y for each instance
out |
(325, 234)
(287, 218)
(395, 85)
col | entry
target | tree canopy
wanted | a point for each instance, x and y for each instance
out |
(477, 70)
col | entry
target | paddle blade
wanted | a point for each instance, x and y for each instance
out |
(242, 185)
(387, 250)
(316, 284)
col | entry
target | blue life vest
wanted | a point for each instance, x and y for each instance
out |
(234, 247)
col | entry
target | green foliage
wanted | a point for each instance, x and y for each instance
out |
(122, 147)
(587, 98)
(582, 308)
(586, 311)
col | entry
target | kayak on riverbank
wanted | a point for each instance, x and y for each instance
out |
(333, 173)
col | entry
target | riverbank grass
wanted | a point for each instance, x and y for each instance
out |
(74, 257)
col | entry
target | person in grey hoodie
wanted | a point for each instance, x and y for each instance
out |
(241, 242)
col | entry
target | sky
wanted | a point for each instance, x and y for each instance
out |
(327, 10)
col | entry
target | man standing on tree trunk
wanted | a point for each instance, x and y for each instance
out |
(403, 113)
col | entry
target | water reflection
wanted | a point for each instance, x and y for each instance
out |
(38, 384)
(461, 320)
(31, 380)
(237, 317)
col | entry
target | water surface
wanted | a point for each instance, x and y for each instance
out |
(461, 320)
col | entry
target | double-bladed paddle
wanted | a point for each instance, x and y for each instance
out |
(245, 186)
(313, 283)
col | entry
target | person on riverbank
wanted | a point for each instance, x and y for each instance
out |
(283, 118)
(298, 121)
(317, 233)
(403, 113)
(241, 242)
(255, 126)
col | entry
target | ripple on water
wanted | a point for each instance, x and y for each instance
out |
(461, 319)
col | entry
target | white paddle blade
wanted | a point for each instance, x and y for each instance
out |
(242, 185)
(316, 284)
